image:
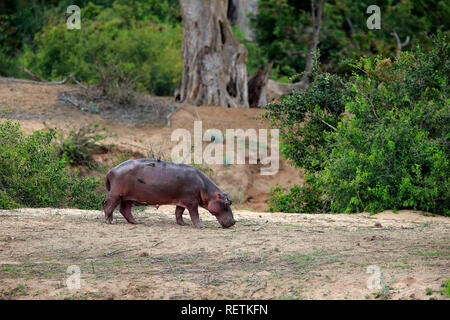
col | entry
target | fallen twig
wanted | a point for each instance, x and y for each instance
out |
(158, 243)
(117, 251)
(63, 81)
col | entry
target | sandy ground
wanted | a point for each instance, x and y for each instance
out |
(264, 256)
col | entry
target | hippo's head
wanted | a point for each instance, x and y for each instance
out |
(220, 206)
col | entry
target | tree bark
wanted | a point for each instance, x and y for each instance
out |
(215, 71)
(316, 17)
(238, 14)
(257, 86)
(400, 44)
(275, 90)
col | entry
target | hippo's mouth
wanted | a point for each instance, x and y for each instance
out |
(227, 223)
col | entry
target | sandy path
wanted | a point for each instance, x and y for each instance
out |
(269, 256)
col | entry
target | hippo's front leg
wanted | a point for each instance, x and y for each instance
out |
(193, 212)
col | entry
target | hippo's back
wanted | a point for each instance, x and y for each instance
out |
(149, 180)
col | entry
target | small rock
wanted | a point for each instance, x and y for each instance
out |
(378, 225)
(110, 296)
(144, 254)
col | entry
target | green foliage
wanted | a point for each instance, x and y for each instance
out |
(390, 148)
(279, 30)
(391, 166)
(33, 175)
(304, 119)
(142, 40)
(145, 51)
(283, 31)
(305, 199)
(446, 290)
(79, 145)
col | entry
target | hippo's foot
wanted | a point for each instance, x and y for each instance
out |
(181, 223)
(109, 220)
(132, 221)
(199, 225)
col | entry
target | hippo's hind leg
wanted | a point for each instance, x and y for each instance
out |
(125, 210)
(109, 205)
(179, 215)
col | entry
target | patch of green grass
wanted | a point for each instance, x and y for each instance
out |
(306, 261)
(446, 290)
(386, 288)
(77, 297)
(432, 253)
(402, 266)
(300, 260)
(429, 291)
(20, 290)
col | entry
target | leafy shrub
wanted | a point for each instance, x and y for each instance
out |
(390, 148)
(32, 173)
(446, 288)
(282, 31)
(304, 119)
(79, 145)
(305, 199)
(136, 44)
(393, 166)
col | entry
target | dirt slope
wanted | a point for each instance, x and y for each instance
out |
(269, 256)
(34, 103)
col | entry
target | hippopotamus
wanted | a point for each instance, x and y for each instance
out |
(157, 182)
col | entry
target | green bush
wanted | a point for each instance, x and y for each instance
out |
(139, 46)
(32, 174)
(304, 119)
(282, 31)
(305, 199)
(390, 148)
(392, 166)
(79, 145)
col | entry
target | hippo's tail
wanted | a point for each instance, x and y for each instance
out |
(108, 184)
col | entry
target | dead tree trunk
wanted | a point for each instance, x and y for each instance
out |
(316, 18)
(400, 44)
(215, 71)
(257, 86)
(275, 90)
